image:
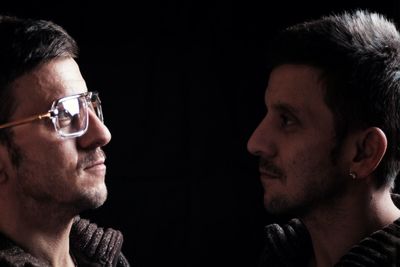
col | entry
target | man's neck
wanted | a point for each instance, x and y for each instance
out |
(52, 247)
(335, 230)
(41, 231)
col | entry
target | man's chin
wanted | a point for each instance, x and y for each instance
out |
(91, 200)
(286, 210)
(278, 206)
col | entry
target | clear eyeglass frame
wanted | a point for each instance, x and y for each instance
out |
(69, 115)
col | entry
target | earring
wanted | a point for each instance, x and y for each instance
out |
(353, 175)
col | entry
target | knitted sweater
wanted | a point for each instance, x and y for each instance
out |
(290, 245)
(90, 245)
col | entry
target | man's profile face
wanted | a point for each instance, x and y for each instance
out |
(294, 142)
(67, 172)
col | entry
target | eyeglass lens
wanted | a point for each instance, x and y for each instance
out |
(96, 105)
(72, 114)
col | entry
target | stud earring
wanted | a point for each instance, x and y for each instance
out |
(353, 175)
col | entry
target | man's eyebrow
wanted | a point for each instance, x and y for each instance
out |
(283, 107)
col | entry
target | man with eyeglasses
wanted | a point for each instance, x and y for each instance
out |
(51, 162)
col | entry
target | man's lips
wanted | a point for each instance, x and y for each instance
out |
(270, 175)
(94, 158)
(96, 164)
(269, 170)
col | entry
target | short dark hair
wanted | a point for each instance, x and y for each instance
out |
(359, 55)
(24, 45)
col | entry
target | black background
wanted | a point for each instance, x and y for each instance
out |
(182, 86)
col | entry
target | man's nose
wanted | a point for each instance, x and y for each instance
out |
(97, 134)
(261, 141)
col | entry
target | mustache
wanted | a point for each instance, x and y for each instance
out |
(91, 158)
(270, 168)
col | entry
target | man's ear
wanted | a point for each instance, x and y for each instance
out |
(370, 148)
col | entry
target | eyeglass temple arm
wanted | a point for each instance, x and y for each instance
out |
(26, 120)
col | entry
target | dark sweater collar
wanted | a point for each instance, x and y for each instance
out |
(287, 245)
(90, 243)
(379, 249)
(290, 245)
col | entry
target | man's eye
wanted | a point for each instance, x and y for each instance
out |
(286, 120)
(64, 118)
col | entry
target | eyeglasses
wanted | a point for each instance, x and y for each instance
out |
(70, 114)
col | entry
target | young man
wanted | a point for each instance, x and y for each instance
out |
(329, 145)
(51, 161)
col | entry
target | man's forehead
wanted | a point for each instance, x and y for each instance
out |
(297, 88)
(295, 82)
(37, 89)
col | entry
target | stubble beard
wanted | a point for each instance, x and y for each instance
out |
(58, 201)
(308, 198)
(324, 191)
(90, 199)
(54, 197)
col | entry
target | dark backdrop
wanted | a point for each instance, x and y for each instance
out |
(182, 85)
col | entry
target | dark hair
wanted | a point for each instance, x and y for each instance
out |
(25, 44)
(359, 55)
